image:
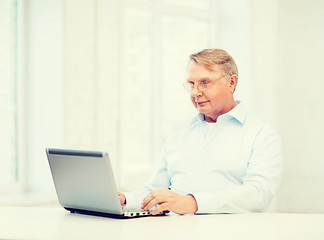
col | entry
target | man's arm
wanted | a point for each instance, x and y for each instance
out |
(262, 179)
(255, 194)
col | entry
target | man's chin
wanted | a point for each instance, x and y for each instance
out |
(202, 110)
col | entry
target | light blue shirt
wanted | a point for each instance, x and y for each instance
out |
(231, 166)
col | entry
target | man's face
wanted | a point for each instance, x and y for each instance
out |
(218, 98)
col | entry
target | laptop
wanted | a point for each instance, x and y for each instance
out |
(85, 184)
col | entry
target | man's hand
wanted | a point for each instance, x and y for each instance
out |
(169, 201)
(122, 199)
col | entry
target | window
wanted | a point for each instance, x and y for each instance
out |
(134, 56)
(8, 90)
(158, 37)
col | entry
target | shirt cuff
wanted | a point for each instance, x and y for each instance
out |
(206, 202)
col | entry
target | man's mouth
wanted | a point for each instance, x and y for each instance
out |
(201, 103)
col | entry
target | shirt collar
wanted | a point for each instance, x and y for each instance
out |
(238, 112)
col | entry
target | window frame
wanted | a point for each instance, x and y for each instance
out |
(17, 186)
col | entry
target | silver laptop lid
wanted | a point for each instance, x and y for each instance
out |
(84, 180)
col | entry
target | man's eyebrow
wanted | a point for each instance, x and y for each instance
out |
(200, 80)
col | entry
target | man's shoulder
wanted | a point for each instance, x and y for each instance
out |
(259, 125)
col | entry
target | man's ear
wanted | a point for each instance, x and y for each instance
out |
(233, 82)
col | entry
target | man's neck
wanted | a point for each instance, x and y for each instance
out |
(213, 118)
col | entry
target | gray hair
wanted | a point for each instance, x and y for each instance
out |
(211, 57)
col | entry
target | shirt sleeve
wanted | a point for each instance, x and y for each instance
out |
(263, 176)
(159, 179)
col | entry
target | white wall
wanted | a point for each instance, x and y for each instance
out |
(278, 47)
(234, 36)
(43, 78)
(92, 76)
(300, 103)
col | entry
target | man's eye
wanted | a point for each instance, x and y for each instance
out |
(204, 83)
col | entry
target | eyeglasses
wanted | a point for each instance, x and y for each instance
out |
(201, 86)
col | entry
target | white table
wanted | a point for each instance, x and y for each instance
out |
(56, 223)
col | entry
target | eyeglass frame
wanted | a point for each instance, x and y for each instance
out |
(192, 85)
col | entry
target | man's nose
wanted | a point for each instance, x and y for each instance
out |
(195, 91)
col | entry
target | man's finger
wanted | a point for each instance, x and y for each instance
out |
(158, 195)
(146, 200)
(162, 207)
(153, 202)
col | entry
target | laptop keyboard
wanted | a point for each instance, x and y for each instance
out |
(136, 213)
